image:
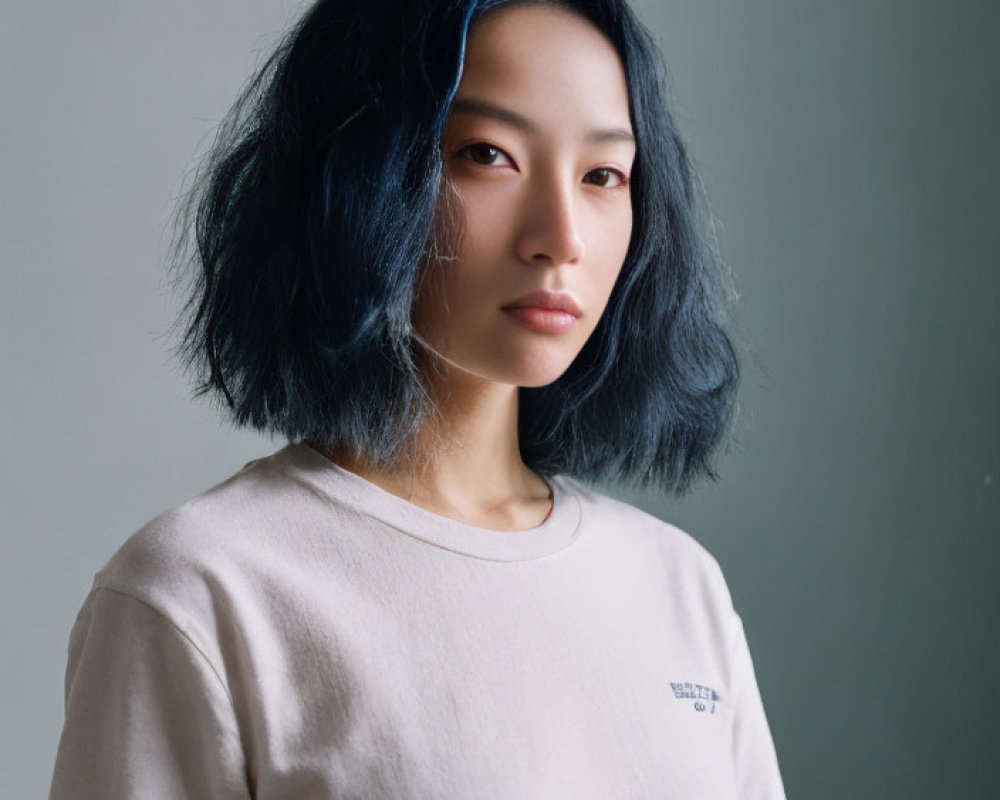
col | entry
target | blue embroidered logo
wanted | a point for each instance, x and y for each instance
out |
(705, 697)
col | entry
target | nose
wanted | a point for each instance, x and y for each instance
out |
(551, 231)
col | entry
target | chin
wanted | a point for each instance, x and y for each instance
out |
(535, 380)
(515, 365)
(541, 372)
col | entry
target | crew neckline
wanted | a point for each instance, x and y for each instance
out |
(341, 486)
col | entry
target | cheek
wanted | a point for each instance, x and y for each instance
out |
(489, 213)
(449, 298)
(472, 221)
(614, 246)
(622, 227)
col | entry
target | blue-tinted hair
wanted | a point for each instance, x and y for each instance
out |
(309, 219)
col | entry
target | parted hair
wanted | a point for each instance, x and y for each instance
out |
(304, 228)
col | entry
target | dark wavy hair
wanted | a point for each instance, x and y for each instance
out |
(307, 222)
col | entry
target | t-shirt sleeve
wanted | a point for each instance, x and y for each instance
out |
(754, 756)
(147, 715)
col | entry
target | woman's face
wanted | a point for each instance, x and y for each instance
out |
(539, 149)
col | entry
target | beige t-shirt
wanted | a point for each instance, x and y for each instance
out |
(297, 632)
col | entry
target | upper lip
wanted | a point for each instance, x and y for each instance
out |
(560, 301)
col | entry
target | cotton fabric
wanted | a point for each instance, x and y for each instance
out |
(297, 632)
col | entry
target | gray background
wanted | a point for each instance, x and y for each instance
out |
(849, 150)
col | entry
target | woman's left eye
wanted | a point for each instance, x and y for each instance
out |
(606, 178)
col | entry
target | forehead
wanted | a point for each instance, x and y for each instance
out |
(550, 64)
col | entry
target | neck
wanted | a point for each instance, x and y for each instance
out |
(466, 461)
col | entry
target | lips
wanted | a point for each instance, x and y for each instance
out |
(552, 301)
(543, 320)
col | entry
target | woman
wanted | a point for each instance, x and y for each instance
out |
(451, 252)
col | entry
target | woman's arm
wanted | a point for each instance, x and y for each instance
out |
(754, 757)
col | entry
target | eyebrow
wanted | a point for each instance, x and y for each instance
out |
(470, 105)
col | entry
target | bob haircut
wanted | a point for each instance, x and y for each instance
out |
(314, 209)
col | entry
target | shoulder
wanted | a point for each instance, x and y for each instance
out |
(183, 561)
(686, 562)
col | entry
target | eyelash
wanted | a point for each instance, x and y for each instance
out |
(623, 180)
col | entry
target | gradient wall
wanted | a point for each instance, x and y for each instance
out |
(849, 151)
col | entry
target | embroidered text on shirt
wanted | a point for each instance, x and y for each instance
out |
(705, 697)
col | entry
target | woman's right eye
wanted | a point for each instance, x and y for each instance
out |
(482, 153)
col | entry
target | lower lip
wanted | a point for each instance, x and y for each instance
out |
(546, 320)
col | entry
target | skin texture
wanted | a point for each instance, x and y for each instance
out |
(545, 207)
